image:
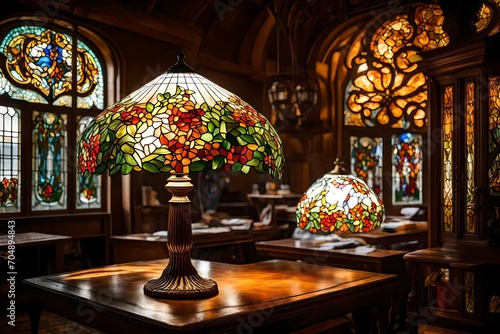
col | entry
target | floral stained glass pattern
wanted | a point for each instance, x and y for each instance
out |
(36, 65)
(494, 136)
(471, 200)
(89, 186)
(339, 202)
(447, 126)
(165, 127)
(49, 161)
(366, 161)
(407, 165)
(388, 89)
(89, 79)
(10, 159)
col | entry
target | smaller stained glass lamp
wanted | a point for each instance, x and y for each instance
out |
(179, 123)
(339, 201)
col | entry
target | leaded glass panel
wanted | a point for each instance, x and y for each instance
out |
(10, 159)
(387, 88)
(447, 126)
(89, 79)
(471, 196)
(494, 136)
(49, 161)
(406, 168)
(366, 161)
(88, 187)
(37, 66)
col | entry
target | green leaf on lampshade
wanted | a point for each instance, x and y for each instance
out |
(150, 167)
(207, 137)
(112, 126)
(129, 159)
(226, 145)
(249, 139)
(253, 162)
(166, 168)
(198, 166)
(150, 106)
(236, 167)
(119, 157)
(217, 162)
(127, 149)
(245, 169)
(126, 169)
(211, 127)
(101, 168)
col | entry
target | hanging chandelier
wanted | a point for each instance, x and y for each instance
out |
(291, 99)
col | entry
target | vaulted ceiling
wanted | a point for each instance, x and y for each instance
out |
(234, 35)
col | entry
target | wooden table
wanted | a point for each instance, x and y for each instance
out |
(388, 240)
(269, 297)
(380, 260)
(38, 240)
(229, 245)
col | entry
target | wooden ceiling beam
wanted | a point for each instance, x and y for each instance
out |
(186, 35)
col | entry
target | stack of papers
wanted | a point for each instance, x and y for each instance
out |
(398, 226)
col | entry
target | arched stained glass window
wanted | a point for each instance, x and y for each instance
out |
(56, 78)
(386, 101)
(38, 67)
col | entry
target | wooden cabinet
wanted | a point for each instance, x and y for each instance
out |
(464, 204)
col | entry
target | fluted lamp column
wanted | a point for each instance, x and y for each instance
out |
(180, 123)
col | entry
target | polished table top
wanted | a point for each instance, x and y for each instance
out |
(33, 239)
(277, 290)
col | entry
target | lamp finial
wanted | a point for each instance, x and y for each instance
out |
(339, 167)
(181, 66)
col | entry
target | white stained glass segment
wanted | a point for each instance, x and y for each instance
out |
(10, 159)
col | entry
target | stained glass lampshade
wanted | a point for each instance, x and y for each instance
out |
(179, 123)
(339, 201)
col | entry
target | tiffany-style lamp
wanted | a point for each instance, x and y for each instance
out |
(179, 123)
(339, 201)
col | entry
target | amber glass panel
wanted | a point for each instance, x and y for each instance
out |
(387, 89)
(471, 199)
(406, 169)
(448, 159)
(469, 291)
(49, 161)
(494, 137)
(483, 18)
(10, 159)
(88, 187)
(366, 161)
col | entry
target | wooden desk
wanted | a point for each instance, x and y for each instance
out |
(388, 240)
(380, 260)
(38, 240)
(260, 201)
(222, 247)
(266, 297)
